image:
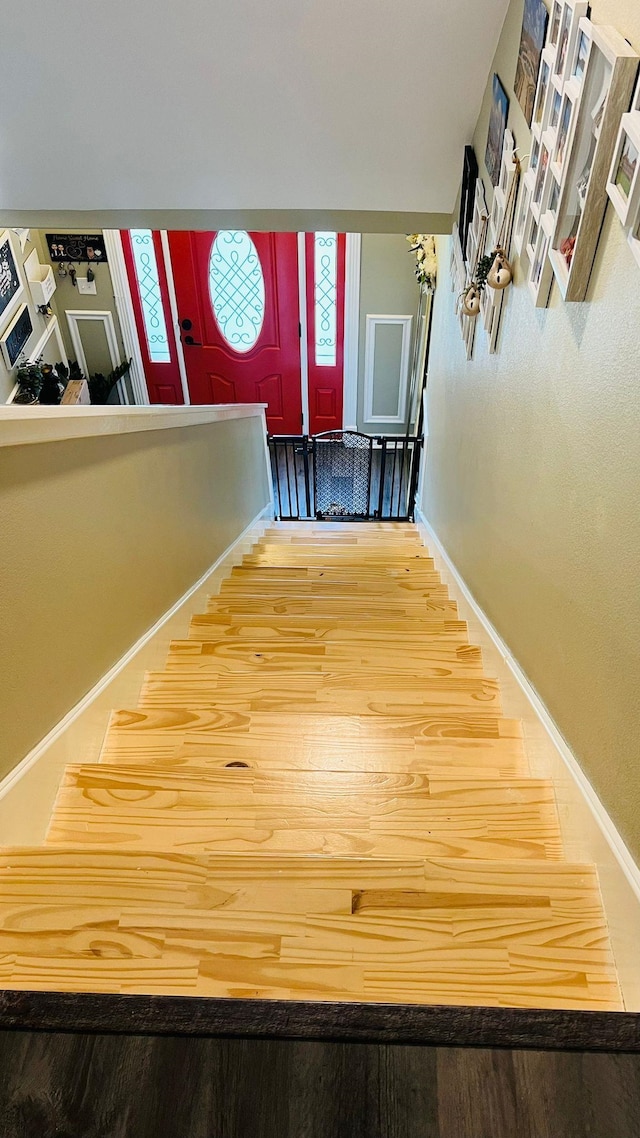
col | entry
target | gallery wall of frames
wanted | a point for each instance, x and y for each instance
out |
(577, 84)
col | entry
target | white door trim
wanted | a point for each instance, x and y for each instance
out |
(372, 323)
(78, 316)
(173, 304)
(126, 317)
(351, 330)
(304, 339)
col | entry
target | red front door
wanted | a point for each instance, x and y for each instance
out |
(238, 310)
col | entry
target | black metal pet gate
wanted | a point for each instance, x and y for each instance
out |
(344, 475)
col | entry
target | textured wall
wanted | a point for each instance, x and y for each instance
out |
(100, 537)
(533, 484)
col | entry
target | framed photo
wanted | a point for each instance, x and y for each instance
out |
(554, 197)
(16, 336)
(563, 41)
(582, 56)
(541, 175)
(543, 87)
(623, 186)
(564, 131)
(497, 127)
(554, 30)
(556, 107)
(534, 30)
(11, 287)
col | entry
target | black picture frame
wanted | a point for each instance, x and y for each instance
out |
(10, 283)
(470, 174)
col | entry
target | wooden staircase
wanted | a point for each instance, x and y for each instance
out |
(318, 798)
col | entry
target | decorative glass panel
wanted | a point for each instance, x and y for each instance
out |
(236, 287)
(326, 298)
(144, 259)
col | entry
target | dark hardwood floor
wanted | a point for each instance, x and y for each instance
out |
(56, 1085)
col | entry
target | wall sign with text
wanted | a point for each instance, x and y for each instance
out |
(76, 247)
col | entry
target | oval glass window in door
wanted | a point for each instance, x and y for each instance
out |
(236, 288)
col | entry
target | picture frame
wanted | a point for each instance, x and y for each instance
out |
(554, 26)
(544, 80)
(623, 185)
(467, 197)
(497, 125)
(11, 283)
(541, 174)
(532, 39)
(521, 218)
(581, 56)
(16, 336)
(563, 135)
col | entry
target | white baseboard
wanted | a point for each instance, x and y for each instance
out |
(589, 833)
(28, 792)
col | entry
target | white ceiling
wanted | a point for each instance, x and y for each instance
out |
(251, 104)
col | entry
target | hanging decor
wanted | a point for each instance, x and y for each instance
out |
(470, 297)
(424, 247)
(493, 269)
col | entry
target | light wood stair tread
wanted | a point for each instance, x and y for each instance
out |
(481, 932)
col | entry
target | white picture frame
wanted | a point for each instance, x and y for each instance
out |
(623, 184)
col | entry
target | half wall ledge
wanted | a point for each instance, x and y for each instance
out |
(21, 425)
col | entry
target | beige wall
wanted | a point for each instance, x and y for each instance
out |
(100, 538)
(388, 287)
(533, 484)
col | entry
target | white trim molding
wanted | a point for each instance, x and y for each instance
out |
(351, 330)
(173, 305)
(126, 316)
(304, 331)
(75, 317)
(589, 833)
(372, 324)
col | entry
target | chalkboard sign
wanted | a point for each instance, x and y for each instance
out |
(76, 247)
(10, 285)
(16, 336)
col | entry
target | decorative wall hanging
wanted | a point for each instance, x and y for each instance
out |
(11, 287)
(534, 30)
(426, 270)
(499, 240)
(497, 126)
(76, 247)
(464, 268)
(586, 80)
